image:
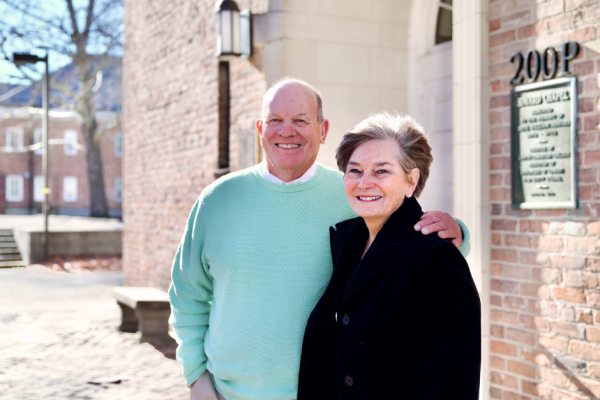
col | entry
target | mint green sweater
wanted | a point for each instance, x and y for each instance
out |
(252, 264)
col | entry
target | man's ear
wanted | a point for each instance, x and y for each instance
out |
(324, 130)
(259, 127)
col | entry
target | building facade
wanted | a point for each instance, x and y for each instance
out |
(21, 170)
(188, 119)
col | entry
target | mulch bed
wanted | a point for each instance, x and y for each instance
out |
(83, 264)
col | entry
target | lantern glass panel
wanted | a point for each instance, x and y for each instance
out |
(237, 48)
(226, 39)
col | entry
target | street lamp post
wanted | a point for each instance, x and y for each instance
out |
(22, 59)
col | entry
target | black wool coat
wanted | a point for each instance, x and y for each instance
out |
(402, 323)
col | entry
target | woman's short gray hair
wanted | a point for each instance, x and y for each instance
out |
(415, 151)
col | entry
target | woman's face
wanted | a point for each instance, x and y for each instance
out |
(375, 183)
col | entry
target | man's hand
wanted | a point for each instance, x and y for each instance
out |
(443, 223)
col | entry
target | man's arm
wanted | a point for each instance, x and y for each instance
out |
(190, 295)
(447, 228)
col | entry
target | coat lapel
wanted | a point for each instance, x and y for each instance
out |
(385, 247)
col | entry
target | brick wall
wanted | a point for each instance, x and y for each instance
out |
(545, 293)
(170, 96)
(61, 165)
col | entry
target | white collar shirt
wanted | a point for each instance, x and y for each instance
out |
(270, 177)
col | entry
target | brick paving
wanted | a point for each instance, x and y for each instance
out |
(68, 346)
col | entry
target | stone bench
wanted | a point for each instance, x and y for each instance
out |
(147, 310)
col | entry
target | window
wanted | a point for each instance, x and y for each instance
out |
(119, 144)
(70, 137)
(443, 31)
(14, 188)
(14, 138)
(38, 188)
(38, 137)
(70, 189)
(118, 190)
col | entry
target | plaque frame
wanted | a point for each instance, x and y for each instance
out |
(517, 199)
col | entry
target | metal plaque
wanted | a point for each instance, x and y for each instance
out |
(544, 144)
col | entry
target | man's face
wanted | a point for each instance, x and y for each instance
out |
(291, 133)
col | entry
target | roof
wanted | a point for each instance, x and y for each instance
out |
(107, 98)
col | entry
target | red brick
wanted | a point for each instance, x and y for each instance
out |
(551, 276)
(496, 239)
(536, 356)
(504, 225)
(587, 175)
(594, 228)
(586, 104)
(571, 262)
(571, 4)
(567, 314)
(499, 163)
(504, 255)
(529, 387)
(583, 244)
(532, 289)
(569, 294)
(591, 123)
(514, 271)
(539, 324)
(496, 300)
(521, 368)
(495, 24)
(500, 194)
(499, 39)
(584, 349)
(582, 34)
(533, 258)
(500, 101)
(549, 243)
(593, 298)
(504, 316)
(590, 85)
(563, 21)
(520, 336)
(581, 280)
(565, 328)
(514, 303)
(553, 342)
(517, 240)
(499, 363)
(534, 226)
(594, 369)
(497, 331)
(500, 134)
(548, 309)
(501, 379)
(567, 228)
(505, 286)
(532, 29)
(555, 377)
(585, 316)
(593, 264)
(503, 348)
(592, 333)
(496, 269)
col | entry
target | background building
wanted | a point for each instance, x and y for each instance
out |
(21, 171)
(188, 118)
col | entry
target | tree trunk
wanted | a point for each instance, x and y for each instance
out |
(98, 204)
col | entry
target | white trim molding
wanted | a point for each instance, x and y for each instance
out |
(471, 151)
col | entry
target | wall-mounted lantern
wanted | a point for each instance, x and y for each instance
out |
(228, 29)
(234, 30)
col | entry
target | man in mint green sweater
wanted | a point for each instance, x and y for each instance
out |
(254, 258)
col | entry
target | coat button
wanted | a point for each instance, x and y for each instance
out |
(349, 381)
(345, 319)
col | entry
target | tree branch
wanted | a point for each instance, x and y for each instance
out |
(73, 17)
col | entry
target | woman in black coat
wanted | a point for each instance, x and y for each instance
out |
(401, 317)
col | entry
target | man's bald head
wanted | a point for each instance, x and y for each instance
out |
(270, 94)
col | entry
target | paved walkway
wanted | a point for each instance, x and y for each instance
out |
(59, 223)
(59, 340)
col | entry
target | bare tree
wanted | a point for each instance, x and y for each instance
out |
(86, 31)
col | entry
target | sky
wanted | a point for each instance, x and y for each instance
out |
(57, 61)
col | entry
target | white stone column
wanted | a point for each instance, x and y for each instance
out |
(471, 151)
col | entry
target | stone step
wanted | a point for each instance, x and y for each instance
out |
(7, 239)
(9, 250)
(4, 245)
(10, 257)
(11, 264)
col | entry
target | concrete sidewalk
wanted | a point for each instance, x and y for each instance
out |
(59, 340)
(59, 223)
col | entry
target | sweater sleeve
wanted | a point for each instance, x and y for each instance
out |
(190, 295)
(448, 359)
(465, 247)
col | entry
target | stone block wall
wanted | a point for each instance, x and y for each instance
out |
(170, 97)
(545, 292)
